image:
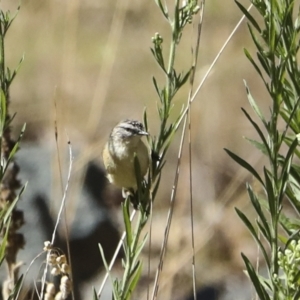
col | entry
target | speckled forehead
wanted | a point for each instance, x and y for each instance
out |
(133, 126)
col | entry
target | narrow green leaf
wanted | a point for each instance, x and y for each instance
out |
(157, 54)
(139, 179)
(259, 210)
(291, 227)
(163, 9)
(258, 131)
(254, 234)
(283, 239)
(156, 88)
(95, 297)
(285, 171)
(295, 188)
(254, 105)
(3, 111)
(257, 41)
(3, 211)
(248, 55)
(103, 257)
(273, 205)
(293, 124)
(16, 290)
(10, 18)
(14, 149)
(272, 30)
(8, 122)
(13, 204)
(139, 249)
(245, 165)
(248, 16)
(161, 165)
(295, 172)
(264, 62)
(156, 57)
(261, 292)
(17, 68)
(8, 75)
(291, 119)
(288, 141)
(184, 78)
(133, 282)
(260, 146)
(4, 241)
(16, 146)
(293, 236)
(127, 222)
(145, 119)
(295, 202)
(154, 192)
(134, 267)
(263, 231)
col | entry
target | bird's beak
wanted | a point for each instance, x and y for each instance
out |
(143, 133)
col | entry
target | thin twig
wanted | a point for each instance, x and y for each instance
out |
(66, 229)
(199, 25)
(61, 209)
(169, 218)
(63, 203)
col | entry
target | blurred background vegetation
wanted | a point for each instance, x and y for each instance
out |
(88, 65)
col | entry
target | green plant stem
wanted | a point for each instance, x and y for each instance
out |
(171, 65)
(131, 263)
(169, 95)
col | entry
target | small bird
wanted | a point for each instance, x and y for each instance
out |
(124, 144)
